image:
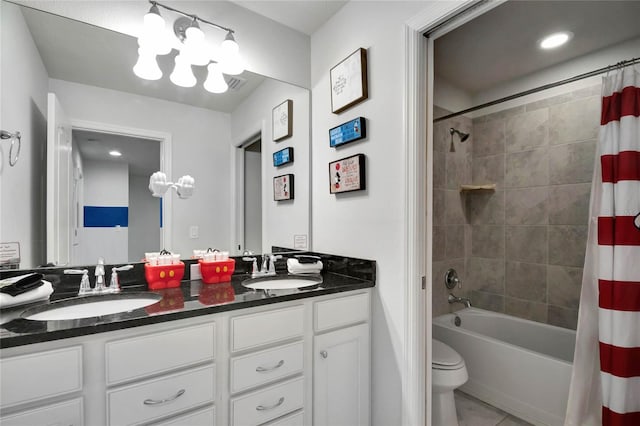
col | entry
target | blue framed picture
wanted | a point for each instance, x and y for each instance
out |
(350, 131)
(282, 157)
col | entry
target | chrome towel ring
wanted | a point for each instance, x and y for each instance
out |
(14, 137)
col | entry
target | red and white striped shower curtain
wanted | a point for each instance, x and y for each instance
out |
(605, 385)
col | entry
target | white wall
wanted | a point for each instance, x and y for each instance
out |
(367, 224)
(269, 48)
(281, 220)
(106, 184)
(450, 97)
(201, 144)
(144, 218)
(23, 108)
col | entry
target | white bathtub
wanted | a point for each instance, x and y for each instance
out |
(522, 367)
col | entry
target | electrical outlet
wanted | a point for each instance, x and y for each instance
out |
(193, 232)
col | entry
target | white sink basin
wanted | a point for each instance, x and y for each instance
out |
(284, 282)
(90, 306)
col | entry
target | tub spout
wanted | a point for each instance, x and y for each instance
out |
(455, 299)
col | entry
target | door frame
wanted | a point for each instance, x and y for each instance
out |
(164, 139)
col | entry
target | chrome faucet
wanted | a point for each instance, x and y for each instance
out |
(455, 299)
(268, 265)
(100, 287)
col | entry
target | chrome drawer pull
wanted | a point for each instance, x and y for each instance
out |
(277, 404)
(263, 369)
(162, 401)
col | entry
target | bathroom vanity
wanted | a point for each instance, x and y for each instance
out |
(215, 354)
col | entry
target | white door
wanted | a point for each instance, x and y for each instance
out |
(59, 184)
(253, 197)
(341, 377)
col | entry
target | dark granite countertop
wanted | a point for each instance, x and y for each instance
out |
(193, 298)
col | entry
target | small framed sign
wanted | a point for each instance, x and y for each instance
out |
(349, 81)
(283, 187)
(350, 131)
(282, 157)
(282, 120)
(347, 174)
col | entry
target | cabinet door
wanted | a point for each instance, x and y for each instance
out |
(341, 377)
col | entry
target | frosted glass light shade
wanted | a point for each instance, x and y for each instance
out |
(215, 80)
(153, 35)
(147, 66)
(194, 48)
(182, 74)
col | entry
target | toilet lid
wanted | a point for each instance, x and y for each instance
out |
(444, 355)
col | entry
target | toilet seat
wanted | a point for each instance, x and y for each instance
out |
(445, 358)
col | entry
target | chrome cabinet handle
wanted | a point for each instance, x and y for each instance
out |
(163, 401)
(324, 354)
(277, 404)
(265, 369)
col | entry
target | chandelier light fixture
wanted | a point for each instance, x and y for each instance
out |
(189, 40)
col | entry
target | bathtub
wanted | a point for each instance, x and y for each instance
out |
(522, 367)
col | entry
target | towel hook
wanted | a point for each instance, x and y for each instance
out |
(14, 137)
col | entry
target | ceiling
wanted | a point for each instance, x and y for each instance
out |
(142, 155)
(501, 45)
(305, 16)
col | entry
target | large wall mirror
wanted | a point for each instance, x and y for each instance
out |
(72, 83)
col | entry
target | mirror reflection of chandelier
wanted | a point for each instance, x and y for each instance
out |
(189, 39)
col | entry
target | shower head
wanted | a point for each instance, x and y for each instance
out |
(463, 136)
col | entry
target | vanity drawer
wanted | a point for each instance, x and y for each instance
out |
(296, 419)
(161, 397)
(268, 404)
(28, 378)
(197, 418)
(67, 413)
(141, 356)
(253, 330)
(266, 366)
(341, 312)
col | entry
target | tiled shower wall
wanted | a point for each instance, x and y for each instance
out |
(525, 241)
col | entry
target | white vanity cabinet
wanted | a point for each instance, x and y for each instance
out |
(341, 362)
(253, 366)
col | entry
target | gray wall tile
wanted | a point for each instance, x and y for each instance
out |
(572, 163)
(441, 136)
(526, 281)
(488, 138)
(567, 244)
(564, 284)
(485, 207)
(439, 170)
(569, 204)
(458, 171)
(487, 241)
(454, 208)
(578, 120)
(439, 243)
(567, 318)
(438, 207)
(454, 242)
(526, 309)
(526, 243)
(527, 168)
(488, 170)
(527, 131)
(488, 301)
(526, 206)
(485, 274)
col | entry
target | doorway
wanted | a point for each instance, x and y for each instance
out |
(252, 223)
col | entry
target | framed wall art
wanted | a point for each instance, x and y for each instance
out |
(282, 120)
(283, 187)
(349, 81)
(350, 131)
(282, 157)
(347, 174)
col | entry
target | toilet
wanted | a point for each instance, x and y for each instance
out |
(448, 372)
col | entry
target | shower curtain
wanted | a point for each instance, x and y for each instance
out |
(605, 383)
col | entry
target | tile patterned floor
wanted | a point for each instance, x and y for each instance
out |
(473, 412)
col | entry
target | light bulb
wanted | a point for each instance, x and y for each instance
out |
(147, 66)
(555, 40)
(230, 61)
(182, 74)
(194, 48)
(153, 35)
(215, 80)
(229, 45)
